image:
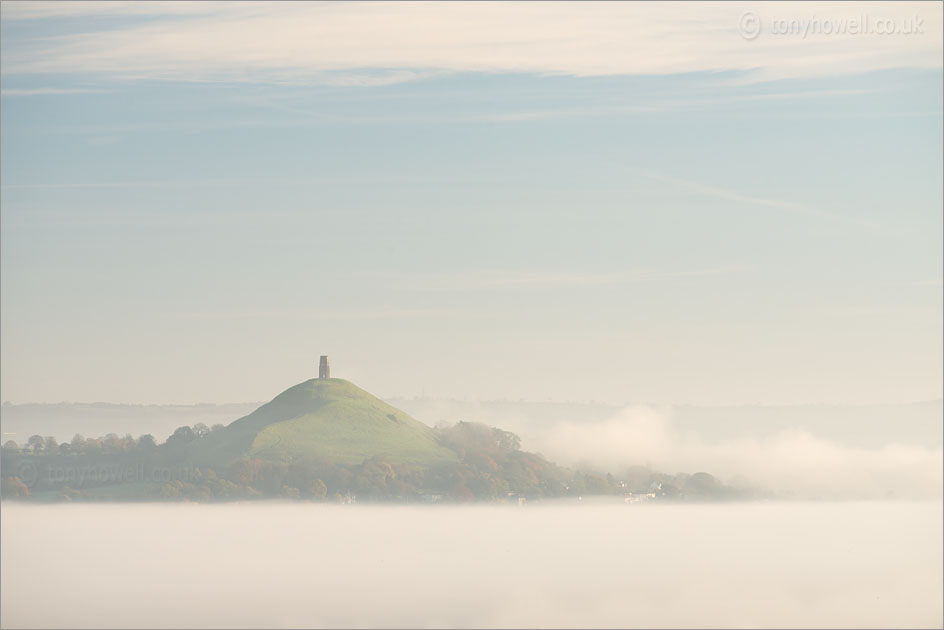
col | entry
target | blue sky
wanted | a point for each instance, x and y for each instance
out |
(195, 213)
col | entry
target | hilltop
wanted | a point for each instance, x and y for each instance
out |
(327, 418)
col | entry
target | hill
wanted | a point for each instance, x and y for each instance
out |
(324, 439)
(326, 418)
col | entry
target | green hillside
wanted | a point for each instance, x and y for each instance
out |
(322, 440)
(329, 418)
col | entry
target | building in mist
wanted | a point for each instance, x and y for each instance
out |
(324, 369)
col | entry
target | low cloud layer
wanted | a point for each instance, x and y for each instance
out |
(792, 462)
(589, 565)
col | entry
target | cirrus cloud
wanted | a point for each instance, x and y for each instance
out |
(379, 43)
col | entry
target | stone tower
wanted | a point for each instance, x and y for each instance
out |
(324, 370)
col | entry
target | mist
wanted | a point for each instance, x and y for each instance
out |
(596, 564)
(791, 462)
(792, 451)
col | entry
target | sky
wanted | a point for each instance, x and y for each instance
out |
(647, 203)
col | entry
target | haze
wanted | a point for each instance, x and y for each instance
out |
(650, 239)
(597, 565)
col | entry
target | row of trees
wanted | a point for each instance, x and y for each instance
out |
(110, 443)
(490, 466)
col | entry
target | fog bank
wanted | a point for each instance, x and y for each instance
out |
(600, 564)
(791, 462)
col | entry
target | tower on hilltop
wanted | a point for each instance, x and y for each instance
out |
(324, 369)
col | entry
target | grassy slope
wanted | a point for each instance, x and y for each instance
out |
(330, 418)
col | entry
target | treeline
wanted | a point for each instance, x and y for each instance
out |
(81, 467)
(491, 467)
(110, 443)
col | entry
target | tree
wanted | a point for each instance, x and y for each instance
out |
(595, 484)
(10, 447)
(147, 442)
(183, 435)
(245, 471)
(506, 440)
(78, 443)
(317, 489)
(111, 443)
(36, 443)
(14, 487)
(52, 446)
(701, 485)
(200, 429)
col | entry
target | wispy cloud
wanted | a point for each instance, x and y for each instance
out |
(79, 8)
(371, 43)
(721, 193)
(314, 314)
(613, 105)
(763, 202)
(47, 91)
(500, 279)
(53, 186)
(552, 279)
